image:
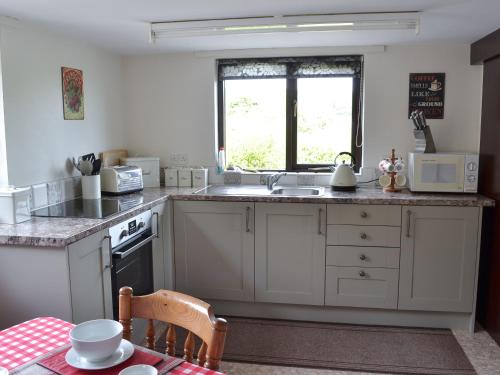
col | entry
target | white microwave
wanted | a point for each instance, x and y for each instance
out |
(443, 172)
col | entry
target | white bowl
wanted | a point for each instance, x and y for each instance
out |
(139, 370)
(96, 340)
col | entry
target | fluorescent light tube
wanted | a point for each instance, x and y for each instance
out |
(286, 23)
(331, 24)
(251, 28)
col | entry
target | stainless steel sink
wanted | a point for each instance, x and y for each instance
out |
(235, 190)
(261, 190)
(297, 191)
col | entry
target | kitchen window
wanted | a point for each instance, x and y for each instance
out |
(289, 114)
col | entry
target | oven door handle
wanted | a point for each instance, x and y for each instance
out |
(135, 247)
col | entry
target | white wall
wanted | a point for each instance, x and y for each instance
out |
(170, 102)
(4, 175)
(39, 140)
(170, 108)
(386, 123)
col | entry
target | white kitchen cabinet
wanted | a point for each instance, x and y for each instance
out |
(290, 253)
(439, 249)
(214, 249)
(90, 278)
(364, 235)
(362, 287)
(364, 214)
(362, 256)
(159, 247)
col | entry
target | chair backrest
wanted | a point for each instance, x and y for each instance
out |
(181, 310)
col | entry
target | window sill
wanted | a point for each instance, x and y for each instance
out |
(294, 178)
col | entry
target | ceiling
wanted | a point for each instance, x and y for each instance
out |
(123, 25)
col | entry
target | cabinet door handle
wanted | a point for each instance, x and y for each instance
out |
(362, 257)
(320, 212)
(110, 253)
(364, 215)
(157, 234)
(247, 219)
(363, 236)
(408, 223)
(362, 273)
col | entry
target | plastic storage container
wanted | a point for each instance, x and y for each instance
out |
(14, 205)
(221, 161)
(150, 169)
(171, 177)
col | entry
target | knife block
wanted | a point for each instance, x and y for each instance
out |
(424, 143)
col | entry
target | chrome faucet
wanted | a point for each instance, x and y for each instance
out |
(273, 179)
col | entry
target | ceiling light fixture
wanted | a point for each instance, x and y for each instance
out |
(286, 23)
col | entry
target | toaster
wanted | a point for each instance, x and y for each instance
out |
(121, 179)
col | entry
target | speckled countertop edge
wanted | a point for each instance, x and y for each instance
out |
(60, 232)
(366, 195)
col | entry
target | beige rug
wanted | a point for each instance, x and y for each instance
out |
(343, 347)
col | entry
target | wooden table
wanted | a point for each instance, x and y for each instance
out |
(23, 345)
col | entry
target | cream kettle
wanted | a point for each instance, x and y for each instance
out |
(343, 177)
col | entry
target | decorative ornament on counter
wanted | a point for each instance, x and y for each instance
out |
(393, 178)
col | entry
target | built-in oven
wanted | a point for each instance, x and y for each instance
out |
(132, 253)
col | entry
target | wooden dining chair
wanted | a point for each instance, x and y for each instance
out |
(176, 309)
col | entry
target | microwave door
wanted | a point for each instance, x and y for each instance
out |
(441, 175)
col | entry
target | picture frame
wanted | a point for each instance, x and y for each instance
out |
(72, 93)
(427, 94)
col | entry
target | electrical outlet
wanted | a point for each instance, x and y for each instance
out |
(179, 159)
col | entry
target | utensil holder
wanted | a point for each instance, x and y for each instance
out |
(423, 141)
(91, 187)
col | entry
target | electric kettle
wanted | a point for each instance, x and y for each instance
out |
(343, 177)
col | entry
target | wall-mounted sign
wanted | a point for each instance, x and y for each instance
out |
(427, 94)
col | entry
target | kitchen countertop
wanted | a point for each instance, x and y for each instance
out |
(363, 195)
(60, 232)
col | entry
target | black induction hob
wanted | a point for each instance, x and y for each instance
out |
(90, 208)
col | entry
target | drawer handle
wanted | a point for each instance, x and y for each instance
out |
(110, 264)
(362, 273)
(320, 212)
(362, 257)
(408, 223)
(247, 219)
(364, 215)
(363, 236)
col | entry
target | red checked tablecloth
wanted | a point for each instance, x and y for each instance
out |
(26, 341)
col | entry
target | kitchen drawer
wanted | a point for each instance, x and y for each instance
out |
(362, 287)
(363, 235)
(363, 214)
(360, 256)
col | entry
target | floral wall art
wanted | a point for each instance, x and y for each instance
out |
(72, 90)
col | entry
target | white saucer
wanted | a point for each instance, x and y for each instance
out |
(124, 352)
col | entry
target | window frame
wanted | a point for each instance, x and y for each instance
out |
(291, 122)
